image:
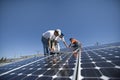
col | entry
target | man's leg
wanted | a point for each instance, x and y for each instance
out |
(45, 45)
(42, 40)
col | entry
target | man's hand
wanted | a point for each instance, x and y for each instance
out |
(75, 54)
(52, 49)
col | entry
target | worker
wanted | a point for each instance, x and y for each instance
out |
(48, 38)
(75, 45)
(57, 40)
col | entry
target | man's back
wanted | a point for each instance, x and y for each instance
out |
(49, 34)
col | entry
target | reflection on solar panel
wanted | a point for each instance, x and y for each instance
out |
(94, 63)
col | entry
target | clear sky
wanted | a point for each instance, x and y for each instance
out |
(22, 23)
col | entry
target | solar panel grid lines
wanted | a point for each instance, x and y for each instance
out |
(44, 69)
(101, 64)
(62, 68)
(20, 67)
(45, 72)
(15, 64)
(100, 48)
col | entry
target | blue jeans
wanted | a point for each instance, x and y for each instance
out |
(45, 45)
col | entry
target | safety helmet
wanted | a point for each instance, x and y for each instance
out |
(59, 31)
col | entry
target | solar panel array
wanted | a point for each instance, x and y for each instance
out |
(95, 63)
(102, 63)
(41, 68)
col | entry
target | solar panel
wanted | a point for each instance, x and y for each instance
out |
(42, 68)
(94, 63)
(101, 63)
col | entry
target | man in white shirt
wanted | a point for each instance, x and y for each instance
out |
(47, 39)
(57, 40)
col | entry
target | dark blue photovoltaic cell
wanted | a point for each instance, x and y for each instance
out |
(66, 72)
(51, 72)
(116, 62)
(111, 72)
(86, 61)
(7, 77)
(17, 77)
(90, 73)
(105, 64)
(92, 79)
(69, 66)
(62, 79)
(98, 60)
(39, 72)
(30, 78)
(45, 78)
(88, 65)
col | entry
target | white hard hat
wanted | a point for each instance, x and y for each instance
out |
(59, 31)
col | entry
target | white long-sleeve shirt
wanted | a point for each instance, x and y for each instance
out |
(58, 39)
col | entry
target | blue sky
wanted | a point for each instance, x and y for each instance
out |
(22, 23)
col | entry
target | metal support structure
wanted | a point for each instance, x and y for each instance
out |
(76, 75)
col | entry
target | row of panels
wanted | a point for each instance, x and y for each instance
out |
(100, 64)
(45, 69)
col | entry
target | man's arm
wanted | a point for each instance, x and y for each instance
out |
(63, 39)
(65, 44)
(51, 45)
